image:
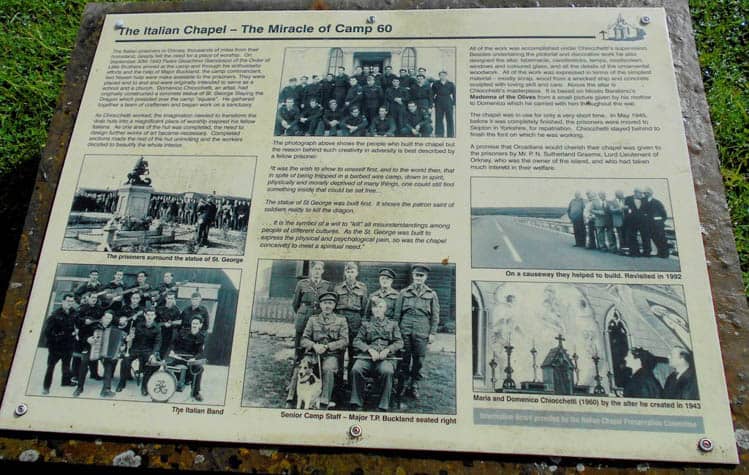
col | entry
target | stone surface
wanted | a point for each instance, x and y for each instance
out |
(728, 295)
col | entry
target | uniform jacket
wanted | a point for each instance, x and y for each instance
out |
(147, 339)
(373, 96)
(418, 311)
(382, 126)
(352, 299)
(60, 330)
(423, 96)
(307, 296)
(391, 296)
(378, 334)
(331, 330)
(168, 314)
(420, 117)
(387, 81)
(393, 94)
(330, 115)
(188, 313)
(444, 94)
(312, 90)
(289, 92)
(360, 122)
(354, 96)
(340, 85)
(188, 344)
(289, 114)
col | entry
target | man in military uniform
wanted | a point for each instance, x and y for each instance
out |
(397, 97)
(91, 285)
(169, 318)
(354, 125)
(376, 342)
(373, 98)
(195, 309)
(287, 121)
(387, 78)
(354, 95)
(145, 343)
(331, 120)
(306, 302)
(312, 91)
(352, 303)
(383, 125)
(416, 122)
(188, 347)
(327, 335)
(444, 103)
(310, 118)
(340, 85)
(59, 331)
(386, 292)
(418, 311)
(289, 91)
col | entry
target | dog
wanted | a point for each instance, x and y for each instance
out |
(308, 386)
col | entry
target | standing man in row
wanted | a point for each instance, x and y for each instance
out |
(444, 103)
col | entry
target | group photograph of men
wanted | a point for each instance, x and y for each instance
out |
(362, 94)
(115, 334)
(601, 224)
(164, 204)
(373, 336)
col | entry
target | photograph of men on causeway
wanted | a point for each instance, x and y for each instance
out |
(165, 331)
(612, 224)
(614, 340)
(367, 92)
(161, 204)
(374, 336)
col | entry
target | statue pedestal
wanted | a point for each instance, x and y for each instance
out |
(133, 201)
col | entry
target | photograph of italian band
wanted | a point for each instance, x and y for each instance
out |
(616, 224)
(161, 204)
(367, 92)
(614, 340)
(142, 334)
(337, 335)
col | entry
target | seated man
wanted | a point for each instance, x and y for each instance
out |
(188, 349)
(331, 120)
(383, 125)
(326, 334)
(416, 122)
(310, 117)
(287, 122)
(354, 125)
(378, 339)
(145, 343)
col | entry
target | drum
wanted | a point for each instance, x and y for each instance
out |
(107, 343)
(161, 386)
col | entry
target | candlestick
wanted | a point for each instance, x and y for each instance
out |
(508, 383)
(598, 389)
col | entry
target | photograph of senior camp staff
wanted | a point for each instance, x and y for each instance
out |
(615, 340)
(367, 92)
(337, 335)
(161, 204)
(616, 224)
(127, 333)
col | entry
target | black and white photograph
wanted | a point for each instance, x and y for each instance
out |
(161, 204)
(616, 224)
(368, 92)
(352, 336)
(608, 340)
(143, 334)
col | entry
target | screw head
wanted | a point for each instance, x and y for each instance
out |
(21, 410)
(119, 24)
(705, 444)
(371, 19)
(645, 20)
(355, 431)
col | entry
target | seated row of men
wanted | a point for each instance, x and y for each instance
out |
(370, 328)
(412, 122)
(147, 334)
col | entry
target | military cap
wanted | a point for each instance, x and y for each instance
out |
(387, 272)
(420, 267)
(351, 265)
(329, 296)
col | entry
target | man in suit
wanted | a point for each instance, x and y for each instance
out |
(682, 382)
(656, 216)
(616, 208)
(598, 209)
(444, 103)
(633, 221)
(575, 212)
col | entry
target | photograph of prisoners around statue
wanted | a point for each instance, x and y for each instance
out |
(161, 204)
(608, 340)
(611, 224)
(170, 378)
(325, 74)
(271, 353)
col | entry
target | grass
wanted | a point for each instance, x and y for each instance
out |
(36, 38)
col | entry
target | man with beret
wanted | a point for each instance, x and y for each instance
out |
(327, 335)
(418, 311)
(352, 303)
(386, 292)
(376, 343)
